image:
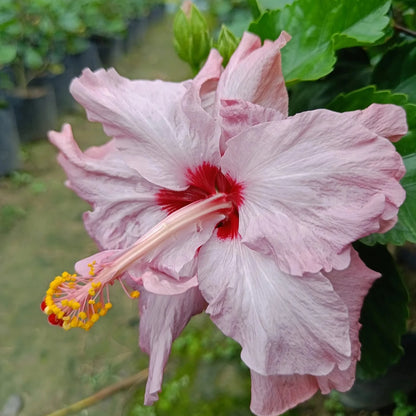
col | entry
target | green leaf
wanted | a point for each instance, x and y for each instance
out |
(384, 314)
(254, 8)
(405, 229)
(32, 58)
(318, 29)
(363, 97)
(397, 70)
(352, 71)
(274, 4)
(7, 54)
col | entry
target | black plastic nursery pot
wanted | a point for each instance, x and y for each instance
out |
(88, 58)
(157, 11)
(110, 50)
(135, 31)
(35, 111)
(60, 85)
(9, 142)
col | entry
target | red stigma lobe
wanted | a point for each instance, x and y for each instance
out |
(205, 181)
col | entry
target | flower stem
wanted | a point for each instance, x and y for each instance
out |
(405, 30)
(102, 394)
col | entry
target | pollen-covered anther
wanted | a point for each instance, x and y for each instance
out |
(73, 301)
(92, 268)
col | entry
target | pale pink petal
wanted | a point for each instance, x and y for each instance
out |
(162, 284)
(273, 395)
(175, 256)
(160, 133)
(352, 285)
(153, 281)
(162, 319)
(254, 73)
(315, 183)
(103, 258)
(386, 120)
(123, 202)
(285, 324)
(239, 115)
(207, 80)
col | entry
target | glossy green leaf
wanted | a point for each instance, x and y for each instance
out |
(397, 70)
(363, 97)
(384, 314)
(318, 29)
(405, 229)
(7, 54)
(274, 4)
(254, 8)
(33, 59)
(352, 71)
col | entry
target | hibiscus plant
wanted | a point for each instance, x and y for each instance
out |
(35, 35)
(262, 192)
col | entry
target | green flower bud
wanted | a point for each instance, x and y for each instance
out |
(191, 36)
(227, 44)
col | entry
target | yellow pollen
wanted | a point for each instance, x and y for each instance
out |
(92, 268)
(135, 294)
(95, 317)
(77, 301)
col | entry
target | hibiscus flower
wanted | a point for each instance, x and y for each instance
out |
(210, 198)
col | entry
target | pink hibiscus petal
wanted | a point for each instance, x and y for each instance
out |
(157, 136)
(352, 285)
(285, 324)
(162, 284)
(254, 73)
(207, 80)
(123, 202)
(386, 120)
(239, 115)
(273, 395)
(102, 258)
(162, 319)
(316, 182)
(175, 256)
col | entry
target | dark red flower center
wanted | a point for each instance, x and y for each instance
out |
(205, 181)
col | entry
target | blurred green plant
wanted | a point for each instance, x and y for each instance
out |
(35, 35)
(213, 380)
(403, 408)
(25, 39)
(10, 215)
(333, 405)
